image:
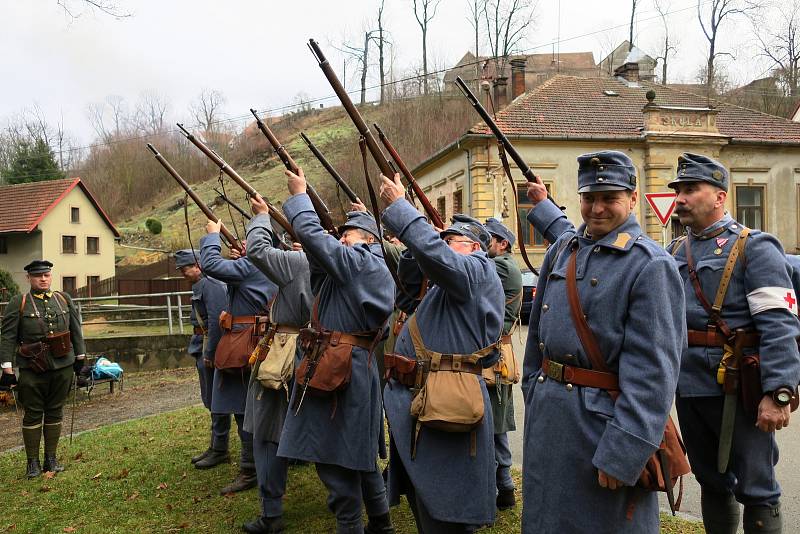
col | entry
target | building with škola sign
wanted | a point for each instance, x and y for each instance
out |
(569, 115)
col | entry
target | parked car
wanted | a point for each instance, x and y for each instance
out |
(529, 281)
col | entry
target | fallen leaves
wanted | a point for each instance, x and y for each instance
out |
(48, 475)
(162, 486)
(70, 529)
(44, 489)
(98, 475)
(123, 474)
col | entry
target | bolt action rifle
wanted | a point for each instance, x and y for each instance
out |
(348, 191)
(234, 244)
(274, 212)
(430, 211)
(232, 204)
(322, 210)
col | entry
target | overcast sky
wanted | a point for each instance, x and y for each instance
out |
(255, 53)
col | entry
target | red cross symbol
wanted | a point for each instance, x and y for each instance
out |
(788, 298)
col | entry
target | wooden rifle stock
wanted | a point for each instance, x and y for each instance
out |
(333, 172)
(433, 214)
(372, 145)
(200, 204)
(274, 212)
(322, 210)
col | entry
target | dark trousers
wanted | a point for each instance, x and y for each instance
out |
(221, 428)
(347, 489)
(751, 470)
(271, 471)
(42, 395)
(502, 455)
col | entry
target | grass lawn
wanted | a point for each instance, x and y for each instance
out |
(136, 477)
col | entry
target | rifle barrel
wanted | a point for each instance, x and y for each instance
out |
(383, 163)
(232, 204)
(200, 204)
(433, 213)
(322, 210)
(331, 170)
(276, 214)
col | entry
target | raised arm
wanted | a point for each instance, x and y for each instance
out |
(211, 261)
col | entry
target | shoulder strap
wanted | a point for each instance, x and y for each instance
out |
(315, 314)
(22, 302)
(60, 300)
(520, 236)
(425, 353)
(727, 273)
(585, 334)
(677, 246)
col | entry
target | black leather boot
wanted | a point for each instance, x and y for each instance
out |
(34, 469)
(196, 458)
(379, 524)
(720, 512)
(762, 520)
(505, 499)
(51, 464)
(213, 459)
(244, 481)
(265, 525)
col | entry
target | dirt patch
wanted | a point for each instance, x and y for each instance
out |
(145, 393)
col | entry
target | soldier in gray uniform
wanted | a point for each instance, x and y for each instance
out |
(266, 408)
(583, 451)
(209, 297)
(41, 333)
(760, 299)
(448, 477)
(500, 394)
(249, 293)
(354, 292)
(794, 264)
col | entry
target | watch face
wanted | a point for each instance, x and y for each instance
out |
(784, 398)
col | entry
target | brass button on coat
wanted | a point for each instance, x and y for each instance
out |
(540, 379)
(593, 281)
(569, 387)
(545, 307)
(541, 347)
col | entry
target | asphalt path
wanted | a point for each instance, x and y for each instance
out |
(788, 467)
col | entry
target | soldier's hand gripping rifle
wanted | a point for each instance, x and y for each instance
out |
(322, 210)
(274, 212)
(234, 244)
(430, 211)
(348, 191)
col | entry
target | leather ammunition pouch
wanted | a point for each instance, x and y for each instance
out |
(36, 356)
(235, 347)
(60, 344)
(750, 390)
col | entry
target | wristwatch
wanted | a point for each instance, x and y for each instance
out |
(782, 396)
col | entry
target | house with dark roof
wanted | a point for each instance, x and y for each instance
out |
(60, 221)
(568, 115)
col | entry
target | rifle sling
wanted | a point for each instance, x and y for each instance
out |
(520, 235)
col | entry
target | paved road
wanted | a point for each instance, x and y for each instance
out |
(788, 468)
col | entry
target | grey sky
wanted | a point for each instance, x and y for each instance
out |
(255, 52)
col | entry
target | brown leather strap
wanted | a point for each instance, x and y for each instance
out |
(567, 374)
(520, 236)
(199, 331)
(454, 363)
(505, 339)
(246, 319)
(286, 329)
(365, 342)
(715, 338)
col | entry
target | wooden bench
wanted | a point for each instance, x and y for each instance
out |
(92, 382)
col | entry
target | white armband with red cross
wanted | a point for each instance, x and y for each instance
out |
(768, 298)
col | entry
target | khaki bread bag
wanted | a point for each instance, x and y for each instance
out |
(276, 367)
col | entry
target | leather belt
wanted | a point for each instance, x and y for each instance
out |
(199, 331)
(404, 369)
(715, 338)
(363, 341)
(248, 319)
(285, 329)
(505, 340)
(578, 376)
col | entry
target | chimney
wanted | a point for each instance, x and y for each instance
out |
(628, 71)
(517, 77)
(500, 92)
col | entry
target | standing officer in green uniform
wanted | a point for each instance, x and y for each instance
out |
(500, 377)
(41, 333)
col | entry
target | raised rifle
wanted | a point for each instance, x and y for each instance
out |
(274, 212)
(234, 244)
(232, 204)
(430, 211)
(322, 210)
(348, 191)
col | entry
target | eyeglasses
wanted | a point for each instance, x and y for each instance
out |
(451, 240)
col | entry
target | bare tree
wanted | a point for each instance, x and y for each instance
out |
(381, 41)
(150, 114)
(663, 7)
(630, 33)
(710, 23)
(506, 22)
(424, 12)
(360, 55)
(206, 109)
(476, 11)
(780, 42)
(75, 8)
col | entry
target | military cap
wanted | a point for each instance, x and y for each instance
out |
(362, 220)
(38, 267)
(186, 257)
(499, 230)
(466, 226)
(608, 170)
(699, 168)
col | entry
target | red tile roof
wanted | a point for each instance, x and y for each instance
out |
(573, 107)
(24, 206)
